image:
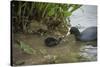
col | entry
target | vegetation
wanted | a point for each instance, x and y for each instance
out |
(54, 16)
(25, 47)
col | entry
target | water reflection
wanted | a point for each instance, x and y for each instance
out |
(86, 16)
(83, 18)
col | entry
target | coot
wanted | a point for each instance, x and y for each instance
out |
(51, 41)
(88, 34)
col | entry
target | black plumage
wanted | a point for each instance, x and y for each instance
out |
(88, 34)
(50, 41)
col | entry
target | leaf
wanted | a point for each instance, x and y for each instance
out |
(51, 12)
(66, 13)
(26, 48)
(75, 7)
(20, 62)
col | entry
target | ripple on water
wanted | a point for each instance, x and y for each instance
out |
(89, 52)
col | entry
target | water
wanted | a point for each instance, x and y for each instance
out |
(85, 17)
(89, 52)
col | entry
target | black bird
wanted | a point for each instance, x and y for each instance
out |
(88, 34)
(50, 41)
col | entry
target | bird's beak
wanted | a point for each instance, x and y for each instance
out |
(68, 31)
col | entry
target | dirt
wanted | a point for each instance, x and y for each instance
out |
(65, 52)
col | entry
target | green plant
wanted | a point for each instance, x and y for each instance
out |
(51, 14)
(25, 47)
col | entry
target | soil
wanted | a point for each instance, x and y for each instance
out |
(65, 52)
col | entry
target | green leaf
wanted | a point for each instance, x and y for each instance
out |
(26, 48)
(51, 12)
(75, 7)
(66, 13)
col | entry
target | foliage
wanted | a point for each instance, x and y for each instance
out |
(25, 47)
(50, 14)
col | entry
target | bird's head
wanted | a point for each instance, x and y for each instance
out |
(74, 31)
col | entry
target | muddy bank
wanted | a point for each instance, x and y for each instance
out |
(33, 51)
